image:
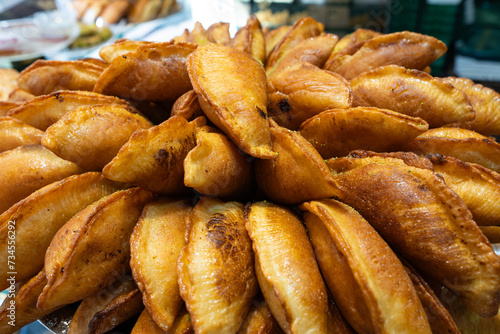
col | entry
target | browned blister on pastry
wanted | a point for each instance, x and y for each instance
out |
(216, 267)
(406, 49)
(155, 246)
(302, 91)
(286, 269)
(314, 50)
(153, 72)
(368, 282)
(259, 320)
(153, 158)
(303, 29)
(92, 249)
(359, 35)
(413, 93)
(463, 144)
(23, 305)
(425, 221)
(91, 136)
(47, 76)
(477, 186)
(29, 168)
(486, 104)
(250, 39)
(215, 166)
(219, 33)
(187, 106)
(297, 174)
(119, 48)
(118, 299)
(336, 132)
(45, 110)
(232, 91)
(39, 216)
(14, 133)
(438, 315)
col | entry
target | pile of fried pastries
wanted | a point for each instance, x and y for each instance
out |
(274, 181)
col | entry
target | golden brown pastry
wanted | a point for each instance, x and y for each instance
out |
(219, 33)
(155, 246)
(368, 282)
(250, 39)
(14, 133)
(216, 267)
(47, 76)
(237, 105)
(153, 158)
(286, 269)
(119, 48)
(359, 35)
(187, 106)
(413, 93)
(336, 132)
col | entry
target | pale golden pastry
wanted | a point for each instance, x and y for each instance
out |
(14, 133)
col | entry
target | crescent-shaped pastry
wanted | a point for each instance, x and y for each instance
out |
(368, 282)
(250, 39)
(14, 133)
(425, 221)
(411, 92)
(216, 270)
(286, 269)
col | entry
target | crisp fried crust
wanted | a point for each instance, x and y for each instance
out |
(426, 222)
(236, 104)
(14, 133)
(153, 72)
(302, 91)
(297, 174)
(413, 93)
(47, 76)
(286, 268)
(250, 39)
(216, 267)
(155, 246)
(406, 49)
(336, 132)
(368, 282)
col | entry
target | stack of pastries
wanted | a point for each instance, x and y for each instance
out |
(274, 181)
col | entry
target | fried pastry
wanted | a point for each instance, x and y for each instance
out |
(92, 249)
(273, 36)
(20, 95)
(153, 158)
(259, 320)
(39, 216)
(406, 49)
(359, 35)
(6, 106)
(424, 221)
(120, 48)
(286, 269)
(413, 93)
(215, 166)
(45, 110)
(297, 174)
(368, 282)
(314, 50)
(47, 76)
(303, 29)
(237, 105)
(486, 104)
(492, 233)
(187, 106)
(91, 136)
(155, 246)
(24, 303)
(96, 308)
(219, 33)
(198, 35)
(336, 132)
(216, 267)
(153, 72)
(28, 168)
(146, 325)
(463, 144)
(477, 186)
(302, 91)
(250, 39)
(14, 133)
(8, 82)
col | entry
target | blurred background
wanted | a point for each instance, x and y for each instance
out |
(66, 29)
